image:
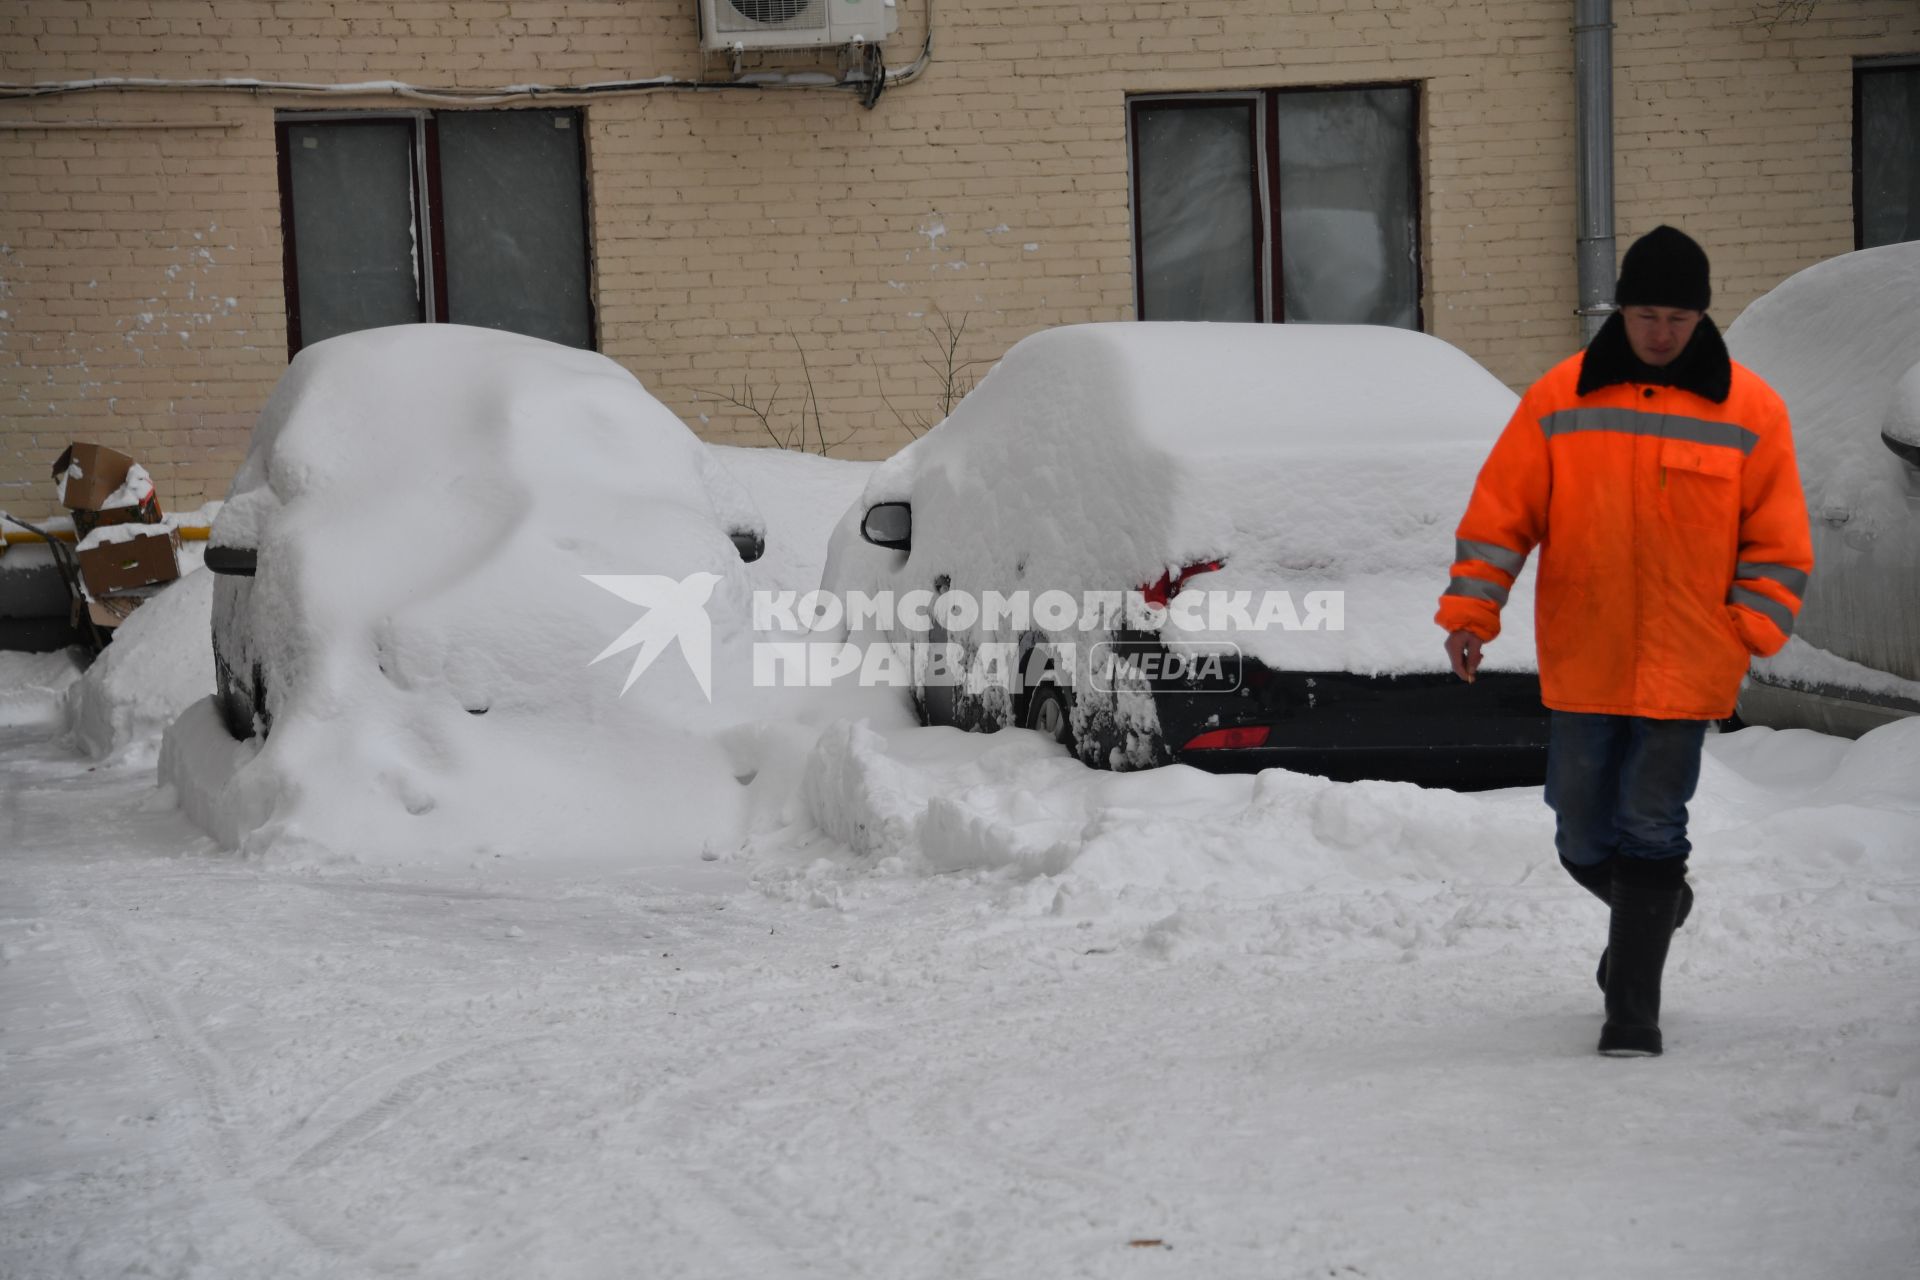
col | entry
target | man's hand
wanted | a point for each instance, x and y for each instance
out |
(1463, 651)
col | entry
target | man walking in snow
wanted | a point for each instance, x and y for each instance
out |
(1657, 478)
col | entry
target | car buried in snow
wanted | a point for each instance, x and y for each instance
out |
(416, 512)
(1840, 342)
(1213, 544)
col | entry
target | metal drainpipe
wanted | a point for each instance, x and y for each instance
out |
(1593, 153)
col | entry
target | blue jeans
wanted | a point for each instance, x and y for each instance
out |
(1619, 785)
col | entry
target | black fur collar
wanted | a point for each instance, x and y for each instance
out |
(1704, 368)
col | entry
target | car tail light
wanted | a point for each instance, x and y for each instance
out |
(1238, 738)
(1170, 583)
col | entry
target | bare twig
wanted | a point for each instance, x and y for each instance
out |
(744, 399)
(915, 428)
(951, 377)
(955, 382)
(813, 402)
(1771, 13)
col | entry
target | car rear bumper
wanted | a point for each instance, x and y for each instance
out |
(1846, 713)
(1458, 768)
(1430, 729)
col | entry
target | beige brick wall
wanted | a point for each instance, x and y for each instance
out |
(140, 290)
(141, 271)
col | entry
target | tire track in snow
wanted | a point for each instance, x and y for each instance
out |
(817, 1127)
(152, 1021)
(441, 1065)
(679, 1119)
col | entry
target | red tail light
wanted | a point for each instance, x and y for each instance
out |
(1235, 739)
(1170, 583)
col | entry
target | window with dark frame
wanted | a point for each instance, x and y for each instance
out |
(463, 217)
(1886, 148)
(1277, 204)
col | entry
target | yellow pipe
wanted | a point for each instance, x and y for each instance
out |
(188, 533)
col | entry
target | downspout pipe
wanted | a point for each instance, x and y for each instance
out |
(1593, 155)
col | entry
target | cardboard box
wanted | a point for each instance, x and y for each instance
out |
(91, 473)
(111, 612)
(127, 563)
(148, 512)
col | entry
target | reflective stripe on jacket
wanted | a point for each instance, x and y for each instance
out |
(1673, 541)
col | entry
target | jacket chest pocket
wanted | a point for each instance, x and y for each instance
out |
(1700, 484)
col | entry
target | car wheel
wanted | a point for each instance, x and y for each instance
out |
(240, 686)
(1050, 711)
(234, 698)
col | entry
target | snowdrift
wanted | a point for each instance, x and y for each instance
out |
(159, 664)
(1015, 805)
(1840, 341)
(33, 688)
(801, 496)
(427, 503)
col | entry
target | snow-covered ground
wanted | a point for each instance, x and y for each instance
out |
(968, 1009)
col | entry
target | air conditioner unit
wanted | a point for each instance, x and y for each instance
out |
(794, 24)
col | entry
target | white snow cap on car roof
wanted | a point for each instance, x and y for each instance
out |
(1229, 388)
(1306, 457)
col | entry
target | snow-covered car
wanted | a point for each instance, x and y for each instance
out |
(424, 500)
(1242, 530)
(1840, 341)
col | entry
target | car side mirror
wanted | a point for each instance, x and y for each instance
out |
(1905, 450)
(749, 543)
(238, 561)
(889, 525)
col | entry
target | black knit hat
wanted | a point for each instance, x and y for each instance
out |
(1664, 268)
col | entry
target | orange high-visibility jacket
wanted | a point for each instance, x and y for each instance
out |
(1673, 541)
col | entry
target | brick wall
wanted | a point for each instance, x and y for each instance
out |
(140, 296)
(141, 271)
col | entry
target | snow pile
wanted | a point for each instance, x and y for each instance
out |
(1835, 340)
(134, 490)
(1307, 457)
(938, 800)
(427, 502)
(33, 685)
(931, 801)
(159, 663)
(801, 496)
(1838, 341)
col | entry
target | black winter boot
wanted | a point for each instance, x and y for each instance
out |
(1598, 881)
(1646, 910)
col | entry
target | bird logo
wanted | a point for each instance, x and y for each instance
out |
(676, 609)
